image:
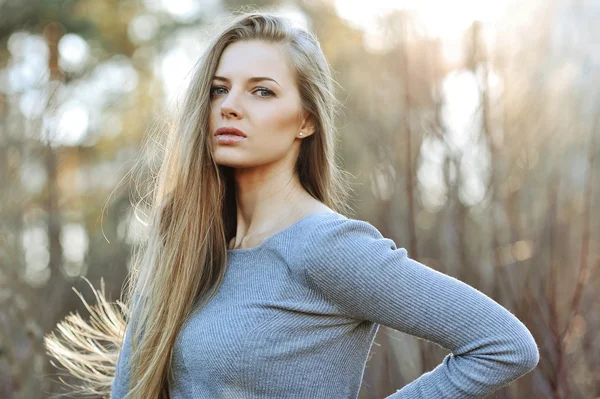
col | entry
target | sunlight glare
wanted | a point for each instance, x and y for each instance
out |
(445, 20)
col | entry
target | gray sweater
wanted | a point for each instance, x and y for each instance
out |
(296, 317)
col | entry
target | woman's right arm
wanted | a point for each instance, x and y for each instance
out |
(120, 383)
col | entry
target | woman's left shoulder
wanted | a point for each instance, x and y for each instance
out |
(337, 225)
(345, 237)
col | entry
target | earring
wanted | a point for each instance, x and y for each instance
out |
(300, 133)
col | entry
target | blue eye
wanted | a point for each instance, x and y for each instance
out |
(264, 89)
(213, 88)
(268, 92)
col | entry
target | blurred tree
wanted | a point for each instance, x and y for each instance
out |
(485, 169)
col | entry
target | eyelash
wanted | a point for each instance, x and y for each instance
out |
(213, 88)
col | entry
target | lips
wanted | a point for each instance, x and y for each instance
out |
(229, 131)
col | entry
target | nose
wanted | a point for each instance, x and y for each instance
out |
(230, 106)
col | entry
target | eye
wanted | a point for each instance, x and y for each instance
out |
(265, 90)
(214, 88)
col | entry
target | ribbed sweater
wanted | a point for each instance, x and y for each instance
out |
(296, 317)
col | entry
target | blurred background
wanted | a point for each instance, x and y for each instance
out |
(471, 126)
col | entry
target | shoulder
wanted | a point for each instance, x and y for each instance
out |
(351, 262)
(340, 239)
(337, 229)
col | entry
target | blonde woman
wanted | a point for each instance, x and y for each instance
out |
(253, 283)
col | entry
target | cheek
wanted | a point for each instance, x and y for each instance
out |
(212, 118)
(282, 123)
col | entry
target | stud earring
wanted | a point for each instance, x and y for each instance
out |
(300, 133)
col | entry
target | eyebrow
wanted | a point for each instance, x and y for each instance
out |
(254, 79)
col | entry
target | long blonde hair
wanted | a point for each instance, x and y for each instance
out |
(193, 216)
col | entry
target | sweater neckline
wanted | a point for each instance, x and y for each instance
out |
(277, 234)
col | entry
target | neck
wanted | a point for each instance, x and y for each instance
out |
(266, 201)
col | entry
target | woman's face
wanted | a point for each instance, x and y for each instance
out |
(254, 90)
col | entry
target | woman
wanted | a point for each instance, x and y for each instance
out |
(253, 283)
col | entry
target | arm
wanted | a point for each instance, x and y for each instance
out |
(368, 278)
(120, 382)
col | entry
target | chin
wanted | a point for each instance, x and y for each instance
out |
(228, 161)
(242, 160)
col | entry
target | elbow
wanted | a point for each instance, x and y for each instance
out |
(532, 358)
(526, 353)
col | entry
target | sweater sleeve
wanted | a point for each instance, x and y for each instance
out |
(366, 277)
(120, 382)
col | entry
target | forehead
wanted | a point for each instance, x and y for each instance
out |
(244, 59)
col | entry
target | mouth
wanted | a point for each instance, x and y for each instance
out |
(229, 131)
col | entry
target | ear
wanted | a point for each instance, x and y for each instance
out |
(308, 126)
